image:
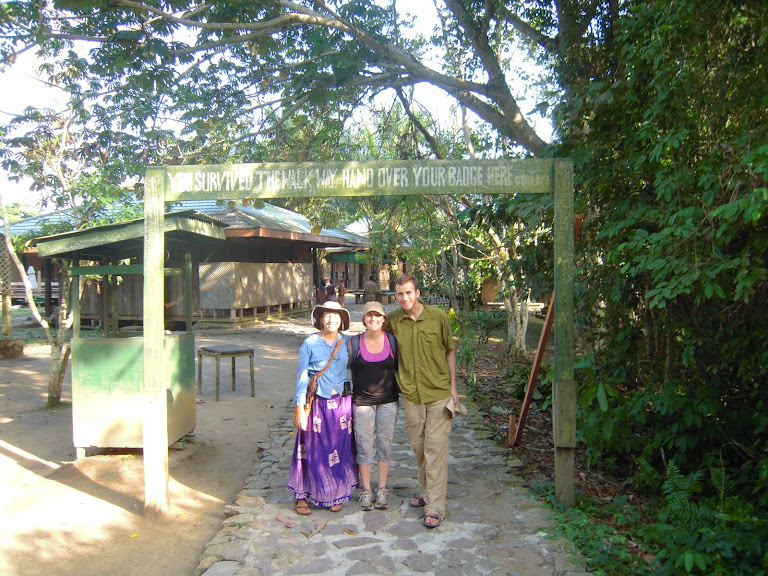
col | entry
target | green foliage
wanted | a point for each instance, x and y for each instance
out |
(603, 533)
(720, 537)
(18, 212)
(673, 276)
(680, 536)
(604, 423)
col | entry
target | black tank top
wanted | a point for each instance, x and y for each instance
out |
(373, 383)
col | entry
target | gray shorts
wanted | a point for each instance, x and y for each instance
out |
(370, 421)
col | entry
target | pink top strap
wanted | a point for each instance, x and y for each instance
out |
(369, 357)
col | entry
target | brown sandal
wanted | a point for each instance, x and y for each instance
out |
(335, 508)
(431, 520)
(302, 508)
(417, 501)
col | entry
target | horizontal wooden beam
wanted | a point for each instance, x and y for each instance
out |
(371, 178)
(118, 270)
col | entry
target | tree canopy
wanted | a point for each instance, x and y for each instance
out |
(662, 106)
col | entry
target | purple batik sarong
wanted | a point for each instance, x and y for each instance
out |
(323, 469)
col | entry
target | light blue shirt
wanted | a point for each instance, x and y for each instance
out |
(313, 356)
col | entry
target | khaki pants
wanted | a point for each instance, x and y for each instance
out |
(428, 429)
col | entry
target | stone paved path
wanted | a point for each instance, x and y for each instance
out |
(493, 525)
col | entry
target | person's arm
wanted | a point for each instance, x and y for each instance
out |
(300, 416)
(450, 358)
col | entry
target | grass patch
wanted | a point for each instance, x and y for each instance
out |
(61, 406)
(32, 334)
(20, 312)
(602, 532)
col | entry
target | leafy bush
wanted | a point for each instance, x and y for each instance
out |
(680, 536)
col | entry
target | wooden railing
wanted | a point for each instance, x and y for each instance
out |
(18, 292)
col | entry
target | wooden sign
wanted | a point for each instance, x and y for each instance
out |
(330, 179)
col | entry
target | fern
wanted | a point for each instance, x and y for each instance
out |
(678, 490)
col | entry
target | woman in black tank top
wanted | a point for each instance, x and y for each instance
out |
(373, 359)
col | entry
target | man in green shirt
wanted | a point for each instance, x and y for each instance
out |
(426, 375)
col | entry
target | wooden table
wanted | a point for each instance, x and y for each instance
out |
(219, 352)
(358, 294)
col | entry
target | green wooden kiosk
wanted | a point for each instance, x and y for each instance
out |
(108, 373)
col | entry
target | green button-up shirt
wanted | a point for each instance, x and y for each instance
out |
(422, 369)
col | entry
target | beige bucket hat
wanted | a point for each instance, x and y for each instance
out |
(320, 309)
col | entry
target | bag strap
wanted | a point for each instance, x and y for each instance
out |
(355, 341)
(333, 354)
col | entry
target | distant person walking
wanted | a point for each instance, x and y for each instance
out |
(426, 376)
(320, 292)
(330, 291)
(373, 359)
(370, 290)
(341, 292)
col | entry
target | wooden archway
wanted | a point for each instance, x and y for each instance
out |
(351, 179)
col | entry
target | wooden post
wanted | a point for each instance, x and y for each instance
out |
(114, 304)
(155, 400)
(515, 432)
(106, 305)
(75, 294)
(188, 289)
(564, 388)
(113, 300)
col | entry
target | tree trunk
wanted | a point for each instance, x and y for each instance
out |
(522, 326)
(60, 348)
(59, 357)
(517, 324)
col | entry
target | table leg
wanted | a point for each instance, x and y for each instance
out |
(253, 388)
(199, 373)
(233, 373)
(217, 378)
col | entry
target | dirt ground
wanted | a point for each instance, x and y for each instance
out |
(65, 516)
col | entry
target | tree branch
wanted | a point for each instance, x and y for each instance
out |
(419, 126)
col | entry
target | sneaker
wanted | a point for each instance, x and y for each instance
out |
(381, 498)
(366, 500)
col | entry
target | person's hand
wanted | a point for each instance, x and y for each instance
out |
(300, 418)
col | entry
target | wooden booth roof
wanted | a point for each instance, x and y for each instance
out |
(126, 239)
(266, 221)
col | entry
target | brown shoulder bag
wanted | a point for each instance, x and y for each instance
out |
(312, 386)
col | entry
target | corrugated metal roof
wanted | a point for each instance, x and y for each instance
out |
(268, 216)
(37, 224)
(235, 217)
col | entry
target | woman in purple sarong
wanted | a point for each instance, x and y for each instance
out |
(323, 469)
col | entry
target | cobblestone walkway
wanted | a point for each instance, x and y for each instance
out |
(493, 525)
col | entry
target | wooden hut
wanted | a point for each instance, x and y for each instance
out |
(267, 263)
